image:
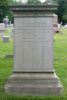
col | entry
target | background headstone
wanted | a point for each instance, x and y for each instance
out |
(56, 24)
(2, 29)
(6, 38)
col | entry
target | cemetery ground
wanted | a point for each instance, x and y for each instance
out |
(60, 63)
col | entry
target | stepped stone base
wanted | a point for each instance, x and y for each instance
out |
(35, 84)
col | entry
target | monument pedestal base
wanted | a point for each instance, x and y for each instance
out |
(34, 84)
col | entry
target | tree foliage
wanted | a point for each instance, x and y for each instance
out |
(65, 12)
(60, 10)
(4, 9)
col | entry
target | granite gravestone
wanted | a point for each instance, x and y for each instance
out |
(56, 24)
(2, 29)
(6, 38)
(33, 72)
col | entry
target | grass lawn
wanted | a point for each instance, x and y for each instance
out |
(60, 63)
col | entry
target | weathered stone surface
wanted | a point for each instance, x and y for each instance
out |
(33, 42)
(33, 72)
(34, 84)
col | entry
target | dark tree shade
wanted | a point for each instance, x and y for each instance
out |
(60, 10)
(4, 9)
(65, 12)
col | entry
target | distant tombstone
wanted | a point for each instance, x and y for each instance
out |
(61, 28)
(65, 26)
(33, 72)
(2, 29)
(6, 38)
(6, 21)
(11, 30)
(56, 25)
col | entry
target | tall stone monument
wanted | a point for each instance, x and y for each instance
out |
(33, 72)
